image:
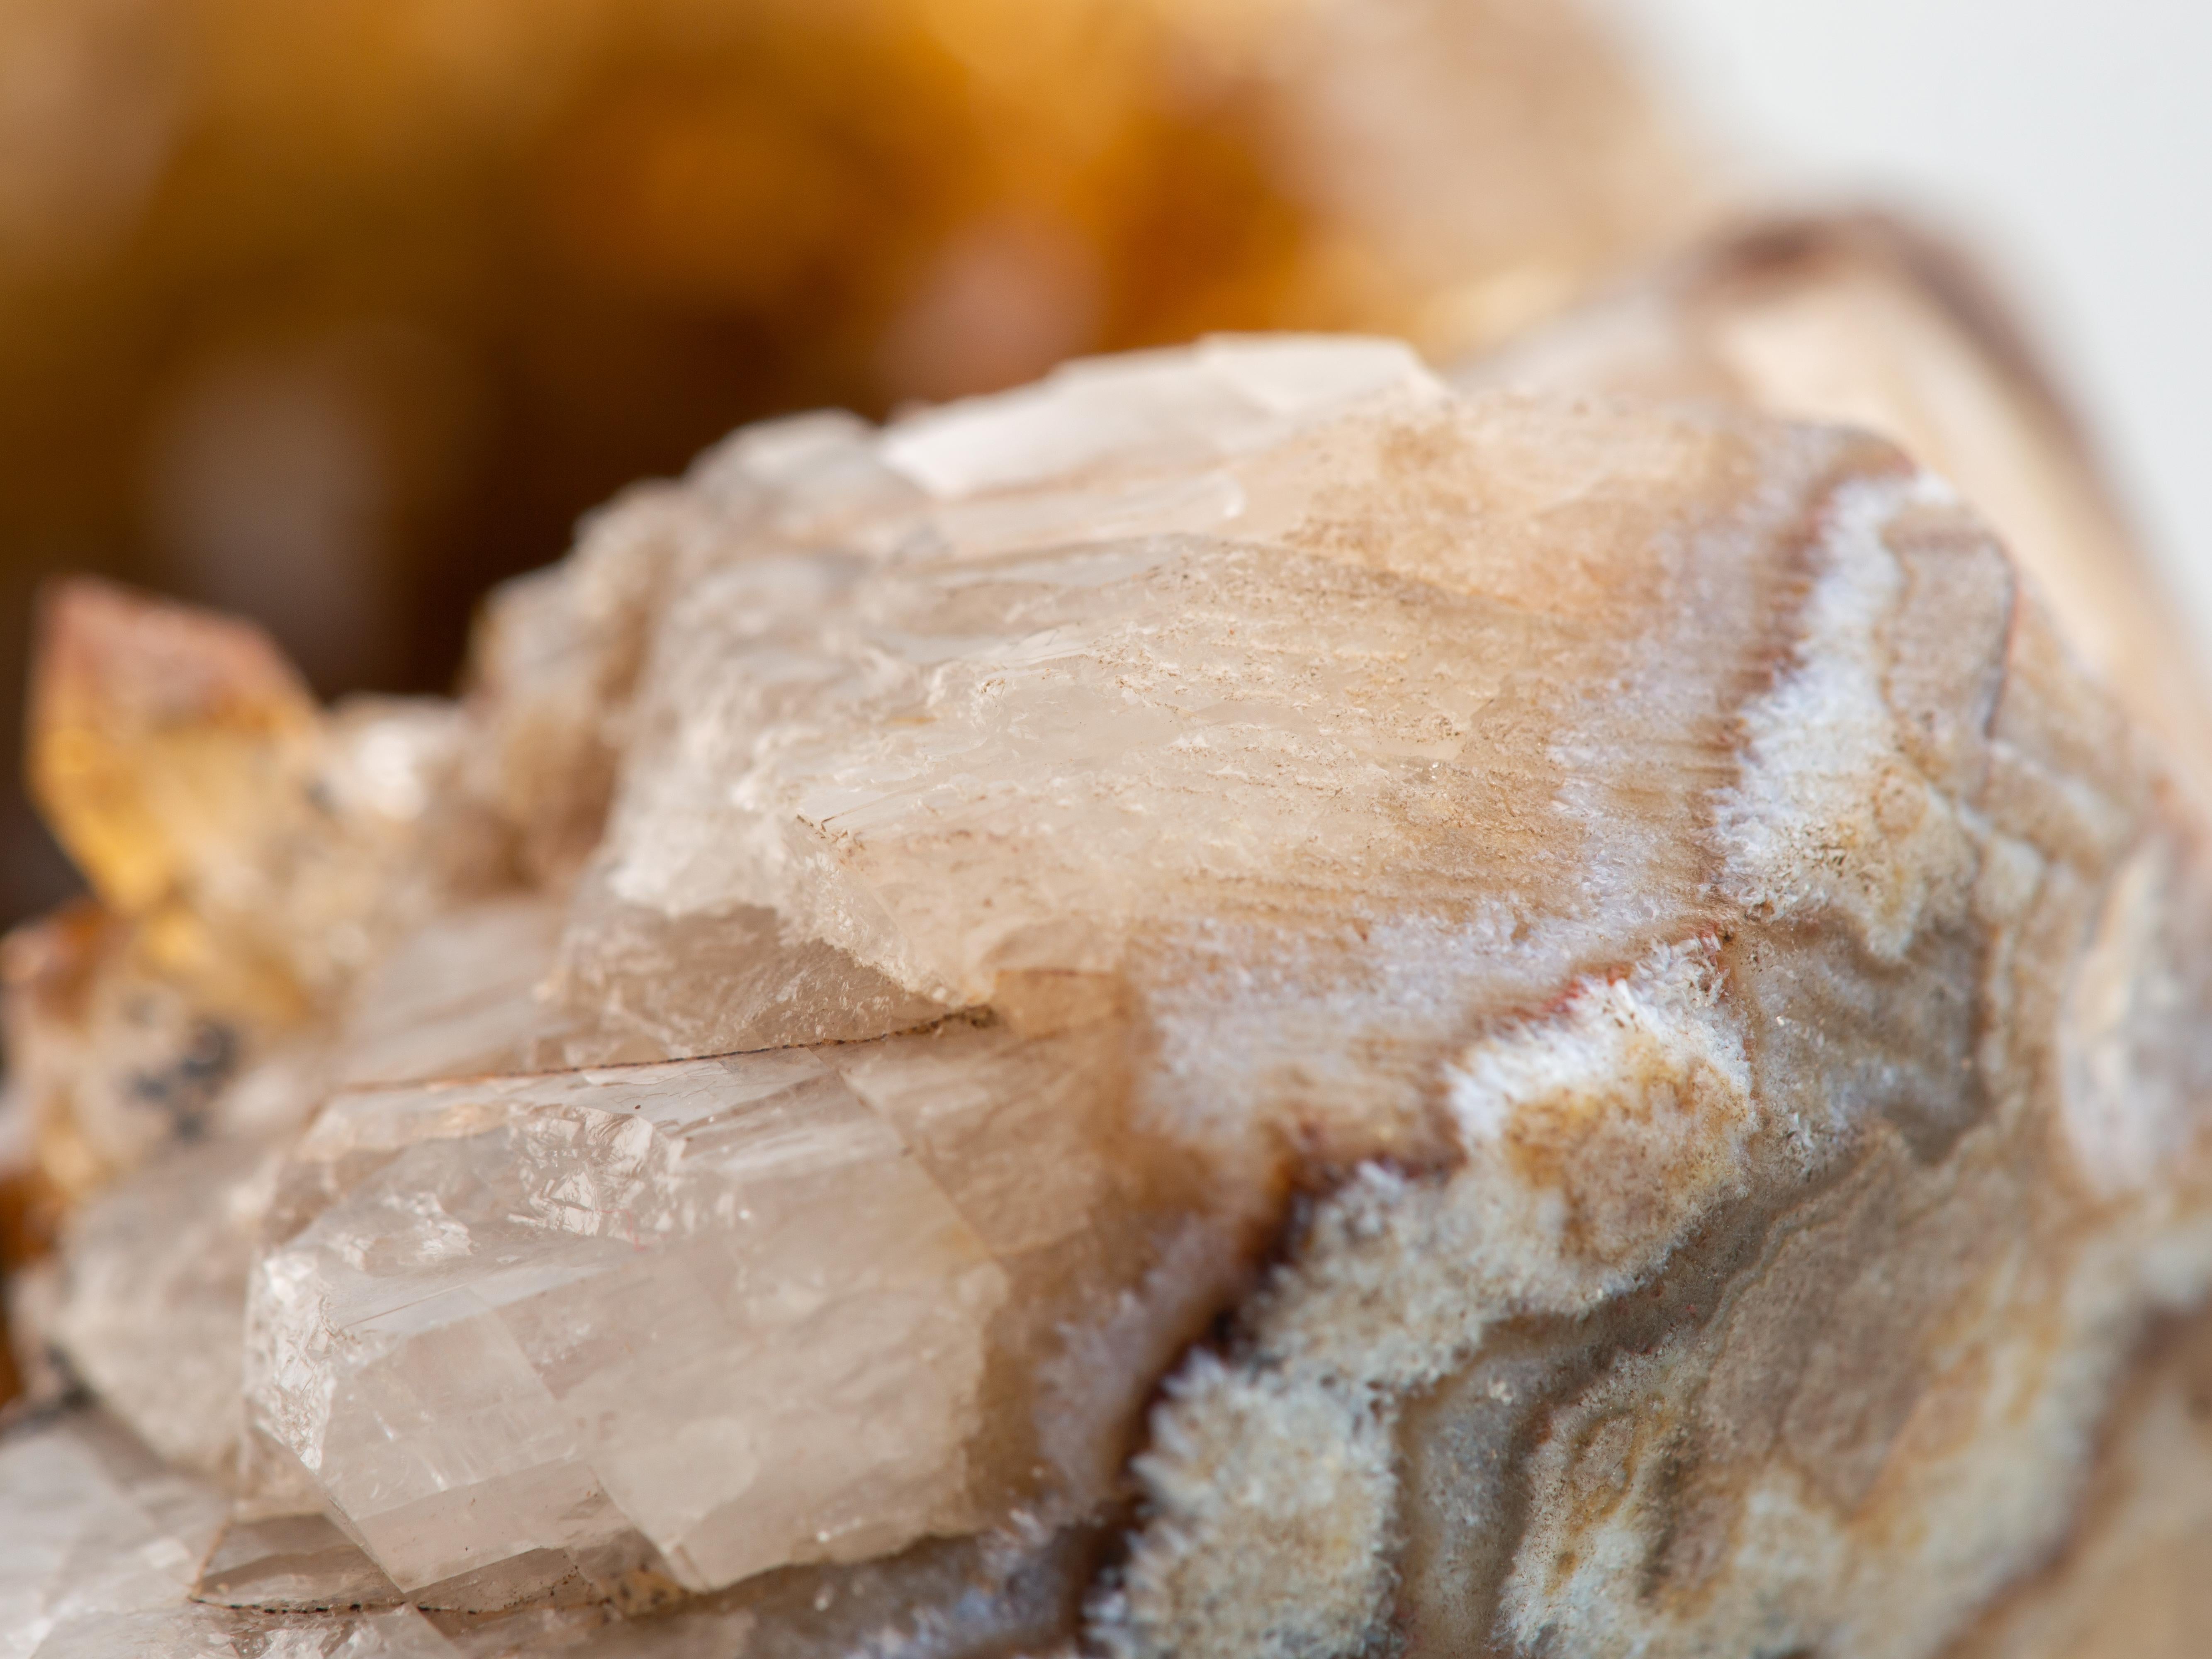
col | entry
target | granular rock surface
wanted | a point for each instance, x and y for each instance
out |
(1237, 1004)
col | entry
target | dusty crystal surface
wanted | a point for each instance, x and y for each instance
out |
(1237, 1004)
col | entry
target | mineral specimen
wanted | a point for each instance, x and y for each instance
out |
(1237, 1004)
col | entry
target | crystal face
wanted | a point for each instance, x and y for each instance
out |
(597, 1300)
(1237, 1004)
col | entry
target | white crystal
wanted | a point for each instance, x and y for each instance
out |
(1732, 987)
(568, 1304)
(99, 1543)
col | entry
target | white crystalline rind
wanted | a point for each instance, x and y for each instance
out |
(1828, 812)
(1279, 1472)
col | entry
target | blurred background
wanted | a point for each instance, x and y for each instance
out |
(2070, 145)
(334, 315)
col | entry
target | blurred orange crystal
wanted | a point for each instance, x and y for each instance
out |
(159, 739)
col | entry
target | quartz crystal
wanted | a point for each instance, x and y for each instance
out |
(1246, 1002)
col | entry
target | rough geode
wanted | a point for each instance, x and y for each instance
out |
(1235, 1004)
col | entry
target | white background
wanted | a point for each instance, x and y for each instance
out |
(2072, 141)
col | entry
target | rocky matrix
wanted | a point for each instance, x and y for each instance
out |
(1236, 1005)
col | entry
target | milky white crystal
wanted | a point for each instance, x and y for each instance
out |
(716, 1301)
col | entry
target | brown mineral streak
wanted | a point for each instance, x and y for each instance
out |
(1830, 1425)
(1827, 1365)
(1870, 320)
(1465, 1483)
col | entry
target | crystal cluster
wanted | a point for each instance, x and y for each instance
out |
(1629, 905)
(1254, 1001)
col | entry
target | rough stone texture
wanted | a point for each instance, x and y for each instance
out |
(1235, 1004)
(1868, 321)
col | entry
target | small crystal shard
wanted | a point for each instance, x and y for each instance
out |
(561, 1309)
(153, 1289)
(96, 1538)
